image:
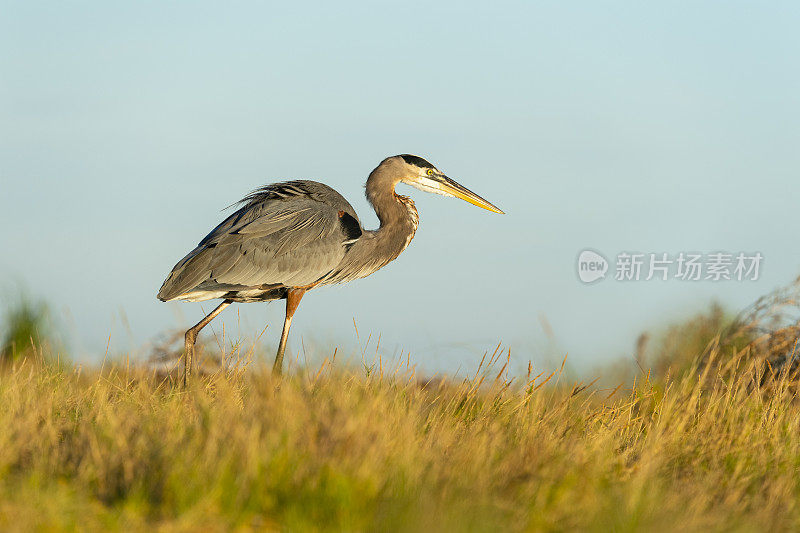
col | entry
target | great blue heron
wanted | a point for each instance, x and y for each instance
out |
(287, 238)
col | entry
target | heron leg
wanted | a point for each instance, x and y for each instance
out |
(191, 337)
(293, 298)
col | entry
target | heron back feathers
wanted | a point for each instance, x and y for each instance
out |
(285, 235)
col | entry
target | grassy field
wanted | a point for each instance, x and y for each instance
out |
(124, 450)
(711, 441)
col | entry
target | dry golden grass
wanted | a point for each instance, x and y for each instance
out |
(121, 449)
(707, 440)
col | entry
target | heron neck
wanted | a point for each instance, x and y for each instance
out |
(391, 208)
(396, 213)
(376, 248)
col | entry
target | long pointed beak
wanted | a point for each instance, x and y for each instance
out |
(459, 191)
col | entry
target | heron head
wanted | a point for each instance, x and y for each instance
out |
(424, 176)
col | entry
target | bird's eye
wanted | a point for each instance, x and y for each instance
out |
(430, 172)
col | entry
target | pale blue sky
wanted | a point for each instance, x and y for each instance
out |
(657, 127)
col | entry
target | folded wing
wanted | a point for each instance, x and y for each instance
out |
(286, 235)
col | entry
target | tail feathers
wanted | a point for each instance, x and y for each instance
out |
(190, 272)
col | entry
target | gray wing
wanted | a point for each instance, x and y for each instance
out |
(287, 234)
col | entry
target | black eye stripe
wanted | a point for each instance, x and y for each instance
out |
(416, 161)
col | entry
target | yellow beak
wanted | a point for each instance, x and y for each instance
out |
(459, 191)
